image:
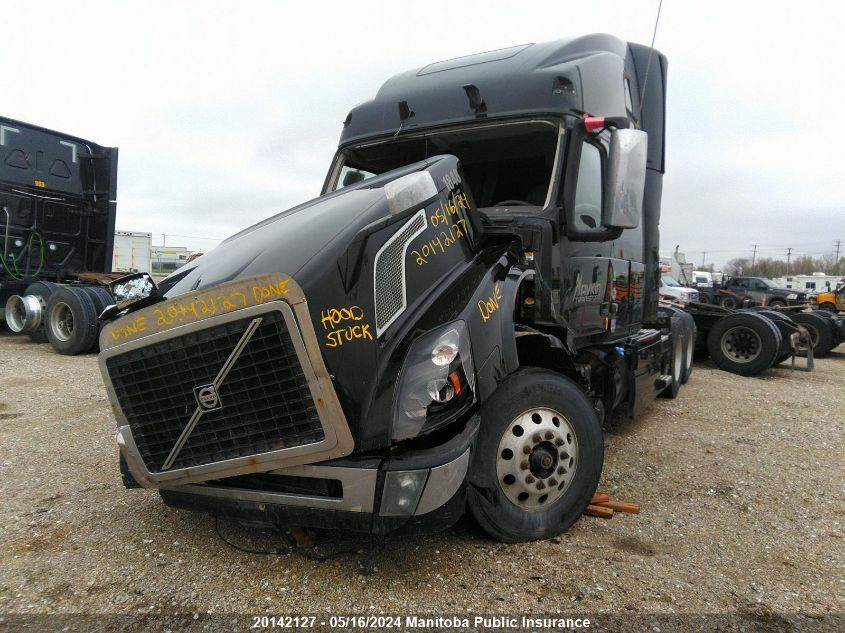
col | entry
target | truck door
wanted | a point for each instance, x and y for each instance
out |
(603, 274)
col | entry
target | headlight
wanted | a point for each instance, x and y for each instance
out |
(132, 289)
(791, 296)
(437, 381)
(409, 191)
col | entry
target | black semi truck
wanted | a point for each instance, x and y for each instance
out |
(446, 327)
(57, 219)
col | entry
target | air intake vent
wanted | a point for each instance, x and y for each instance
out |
(389, 283)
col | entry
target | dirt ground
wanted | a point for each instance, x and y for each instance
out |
(741, 483)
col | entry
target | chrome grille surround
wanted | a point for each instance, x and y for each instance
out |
(389, 272)
(336, 439)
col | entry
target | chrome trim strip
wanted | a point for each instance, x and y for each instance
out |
(359, 489)
(217, 382)
(386, 245)
(443, 482)
(338, 440)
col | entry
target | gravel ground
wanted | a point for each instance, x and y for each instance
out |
(740, 481)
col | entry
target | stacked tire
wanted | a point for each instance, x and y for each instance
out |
(823, 328)
(745, 343)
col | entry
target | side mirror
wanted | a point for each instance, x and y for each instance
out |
(625, 183)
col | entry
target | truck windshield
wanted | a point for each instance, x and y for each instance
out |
(505, 162)
(669, 280)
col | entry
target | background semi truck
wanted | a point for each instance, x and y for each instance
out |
(447, 326)
(57, 218)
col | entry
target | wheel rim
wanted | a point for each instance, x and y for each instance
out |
(537, 458)
(61, 321)
(729, 303)
(741, 344)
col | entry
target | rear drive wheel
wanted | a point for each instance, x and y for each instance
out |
(744, 343)
(828, 306)
(677, 360)
(818, 326)
(776, 303)
(538, 459)
(71, 321)
(41, 290)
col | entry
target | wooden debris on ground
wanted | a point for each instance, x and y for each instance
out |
(601, 505)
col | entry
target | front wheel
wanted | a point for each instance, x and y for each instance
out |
(538, 459)
(828, 306)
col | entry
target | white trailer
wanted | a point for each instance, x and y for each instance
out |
(132, 252)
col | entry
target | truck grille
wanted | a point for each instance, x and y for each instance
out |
(266, 402)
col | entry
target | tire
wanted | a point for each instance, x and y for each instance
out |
(744, 343)
(43, 290)
(676, 361)
(776, 303)
(820, 330)
(513, 504)
(101, 298)
(828, 307)
(775, 316)
(703, 299)
(689, 349)
(729, 302)
(71, 321)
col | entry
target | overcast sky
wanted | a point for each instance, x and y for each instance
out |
(225, 113)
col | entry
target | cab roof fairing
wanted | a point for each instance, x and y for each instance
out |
(558, 77)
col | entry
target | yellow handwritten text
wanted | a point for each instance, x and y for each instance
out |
(336, 338)
(263, 293)
(334, 317)
(456, 203)
(441, 242)
(130, 329)
(489, 305)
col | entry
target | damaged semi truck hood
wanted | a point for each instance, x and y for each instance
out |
(305, 317)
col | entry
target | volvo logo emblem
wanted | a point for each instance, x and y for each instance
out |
(207, 398)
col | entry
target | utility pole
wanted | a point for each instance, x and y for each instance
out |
(788, 257)
(838, 244)
(703, 255)
(164, 239)
(754, 255)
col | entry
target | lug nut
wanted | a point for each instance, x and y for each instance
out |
(549, 435)
(558, 442)
(561, 470)
(523, 466)
(540, 485)
(526, 450)
(529, 479)
(552, 482)
(537, 438)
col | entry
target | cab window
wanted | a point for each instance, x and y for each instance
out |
(350, 175)
(588, 191)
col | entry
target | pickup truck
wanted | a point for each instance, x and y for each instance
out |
(759, 291)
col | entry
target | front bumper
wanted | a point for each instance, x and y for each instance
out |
(371, 498)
